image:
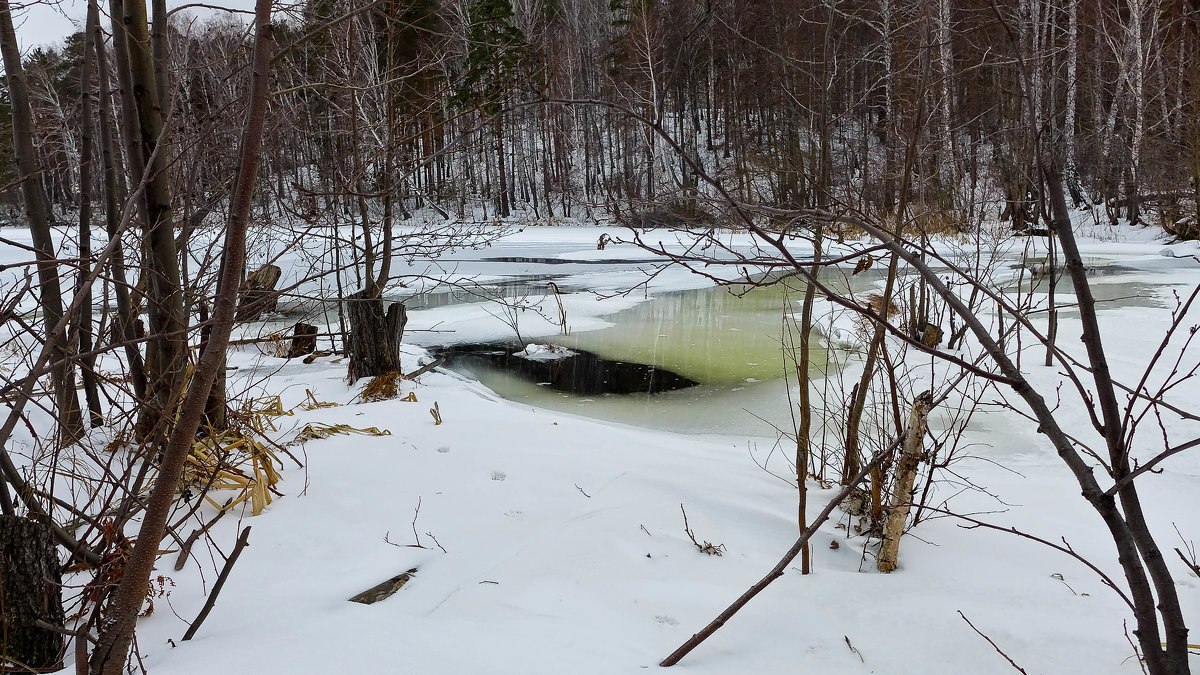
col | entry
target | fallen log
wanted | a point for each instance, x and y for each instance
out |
(384, 590)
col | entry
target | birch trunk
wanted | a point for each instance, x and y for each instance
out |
(1072, 170)
(902, 489)
(948, 174)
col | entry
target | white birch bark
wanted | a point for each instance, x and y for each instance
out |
(949, 164)
(1072, 90)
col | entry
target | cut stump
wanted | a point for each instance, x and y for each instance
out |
(258, 293)
(304, 340)
(375, 334)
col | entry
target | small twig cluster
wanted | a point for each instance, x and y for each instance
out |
(707, 547)
(416, 537)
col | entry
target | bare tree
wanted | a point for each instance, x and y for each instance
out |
(70, 418)
(112, 647)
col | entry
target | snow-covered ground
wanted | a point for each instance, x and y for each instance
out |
(551, 543)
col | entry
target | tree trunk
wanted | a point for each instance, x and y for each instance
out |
(166, 355)
(374, 340)
(906, 474)
(259, 295)
(804, 432)
(304, 340)
(858, 396)
(501, 168)
(70, 417)
(83, 320)
(124, 326)
(116, 636)
(30, 592)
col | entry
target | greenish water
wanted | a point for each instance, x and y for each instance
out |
(717, 336)
(732, 341)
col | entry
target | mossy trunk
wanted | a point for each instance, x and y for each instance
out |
(31, 588)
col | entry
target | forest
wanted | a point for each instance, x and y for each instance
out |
(196, 186)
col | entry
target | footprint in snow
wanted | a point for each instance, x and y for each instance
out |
(515, 514)
(499, 475)
(444, 449)
(666, 620)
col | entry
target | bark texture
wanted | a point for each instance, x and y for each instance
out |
(70, 417)
(374, 339)
(30, 592)
(902, 488)
(258, 294)
(304, 340)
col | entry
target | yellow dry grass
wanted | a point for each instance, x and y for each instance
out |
(316, 431)
(233, 459)
(381, 388)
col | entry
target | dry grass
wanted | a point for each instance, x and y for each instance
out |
(318, 431)
(381, 388)
(865, 325)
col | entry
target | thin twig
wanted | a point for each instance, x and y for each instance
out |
(993, 644)
(1137, 654)
(416, 512)
(1064, 548)
(707, 547)
(854, 649)
(779, 568)
(435, 540)
(186, 549)
(242, 542)
(1190, 563)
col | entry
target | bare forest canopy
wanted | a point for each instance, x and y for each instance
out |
(461, 105)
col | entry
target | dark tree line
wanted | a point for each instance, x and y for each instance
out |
(417, 103)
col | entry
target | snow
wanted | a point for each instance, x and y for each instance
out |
(552, 543)
(535, 352)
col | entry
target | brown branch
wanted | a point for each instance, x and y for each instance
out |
(242, 542)
(1108, 581)
(186, 549)
(1128, 478)
(425, 368)
(1190, 563)
(779, 568)
(989, 640)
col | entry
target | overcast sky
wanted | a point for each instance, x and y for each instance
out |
(47, 22)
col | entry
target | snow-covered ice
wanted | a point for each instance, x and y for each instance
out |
(552, 543)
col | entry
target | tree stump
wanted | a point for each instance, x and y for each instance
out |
(30, 591)
(929, 334)
(374, 340)
(304, 340)
(258, 293)
(906, 474)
